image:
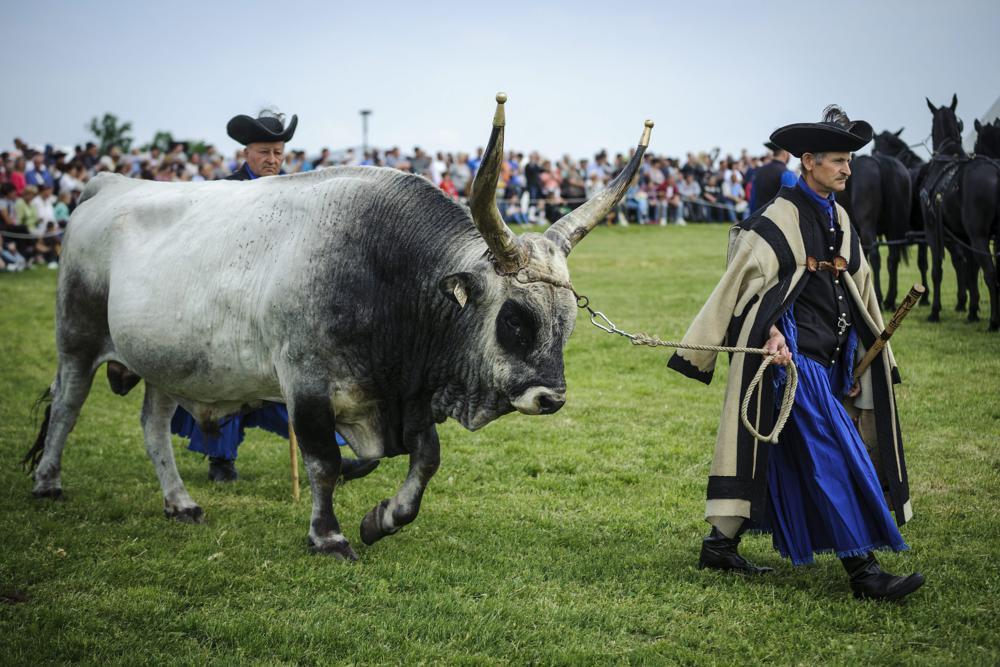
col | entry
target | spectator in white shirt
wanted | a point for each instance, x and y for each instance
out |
(72, 178)
(44, 205)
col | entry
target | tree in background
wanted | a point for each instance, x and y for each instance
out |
(110, 133)
(165, 141)
(162, 140)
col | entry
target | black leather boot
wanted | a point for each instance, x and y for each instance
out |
(718, 552)
(869, 582)
(221, 470)
(355, 468)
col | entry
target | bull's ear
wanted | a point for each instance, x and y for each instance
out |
(977, 125)
(462, 287)
(900, 131)
(931, 105)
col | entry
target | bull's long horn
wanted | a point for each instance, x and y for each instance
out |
(502, 242)
(573, 226)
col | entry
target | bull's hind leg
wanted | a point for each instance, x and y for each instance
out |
(68, 392)
(313, 420)
(392, 514)
(157, 409)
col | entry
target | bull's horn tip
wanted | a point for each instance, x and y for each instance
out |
(646, 130)
(501, 98)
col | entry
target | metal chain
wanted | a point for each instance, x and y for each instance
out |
(602, 322)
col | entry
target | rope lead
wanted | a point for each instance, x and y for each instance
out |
(601, 321)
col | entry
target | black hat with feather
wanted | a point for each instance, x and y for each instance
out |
(835, 133)
(268, 126)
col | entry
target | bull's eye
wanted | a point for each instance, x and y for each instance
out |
(515, 328)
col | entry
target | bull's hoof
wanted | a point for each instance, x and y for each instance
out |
(960, 308)
(972, 317)
(185, 514)
(339, 549)
(371, 526)
(934, 317)
(889, 305)
(53, 493)
(993, 328)
(925, 300)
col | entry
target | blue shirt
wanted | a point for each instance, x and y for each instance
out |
(825, 203)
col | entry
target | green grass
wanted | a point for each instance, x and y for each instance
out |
(563, 539)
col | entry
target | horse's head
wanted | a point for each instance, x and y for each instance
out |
(946, 127)
(988, 139)
(889, 143)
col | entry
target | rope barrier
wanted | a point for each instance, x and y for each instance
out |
(19, 235)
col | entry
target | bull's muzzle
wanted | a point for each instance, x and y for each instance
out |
(539, 401)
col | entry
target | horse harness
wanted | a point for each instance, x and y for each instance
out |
(945, 182)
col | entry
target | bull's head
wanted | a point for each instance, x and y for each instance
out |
(522, 289)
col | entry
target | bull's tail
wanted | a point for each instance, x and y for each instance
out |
(34, 455)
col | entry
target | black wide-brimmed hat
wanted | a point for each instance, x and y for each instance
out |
(827, 136)
(266, 127)
(773, 147)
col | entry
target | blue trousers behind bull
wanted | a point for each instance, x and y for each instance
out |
(271, 417)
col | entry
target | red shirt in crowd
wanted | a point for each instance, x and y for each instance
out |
(449, 188)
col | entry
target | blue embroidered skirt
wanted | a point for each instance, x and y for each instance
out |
(271, 417)
(823, 490)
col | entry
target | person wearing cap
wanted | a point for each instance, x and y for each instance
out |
(797, 284)
(264, 138)
(770, 178)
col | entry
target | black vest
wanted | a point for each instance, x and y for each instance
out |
(823, 308)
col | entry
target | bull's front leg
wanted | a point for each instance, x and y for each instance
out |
(393, 513)
(313, 420)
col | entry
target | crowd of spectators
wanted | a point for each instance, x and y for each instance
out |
(40, 187)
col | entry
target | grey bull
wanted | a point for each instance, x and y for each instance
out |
(363, 298)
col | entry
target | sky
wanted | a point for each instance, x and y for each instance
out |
(580, 75)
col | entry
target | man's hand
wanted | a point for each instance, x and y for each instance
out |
(855, 390)
(776, 345)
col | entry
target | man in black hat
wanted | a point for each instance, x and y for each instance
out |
(797, 283)
(770, 178)
(264, 138)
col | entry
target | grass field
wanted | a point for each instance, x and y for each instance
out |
(570, 538)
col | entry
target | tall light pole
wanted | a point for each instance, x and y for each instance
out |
(364, 131)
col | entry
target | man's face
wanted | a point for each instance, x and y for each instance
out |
(265, 157)
(831, 174)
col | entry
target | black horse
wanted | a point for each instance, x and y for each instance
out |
(960, 199)
(890, 143)
(988, 140)
(878, 200)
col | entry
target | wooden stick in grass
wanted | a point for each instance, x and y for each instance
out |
(904, 308)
